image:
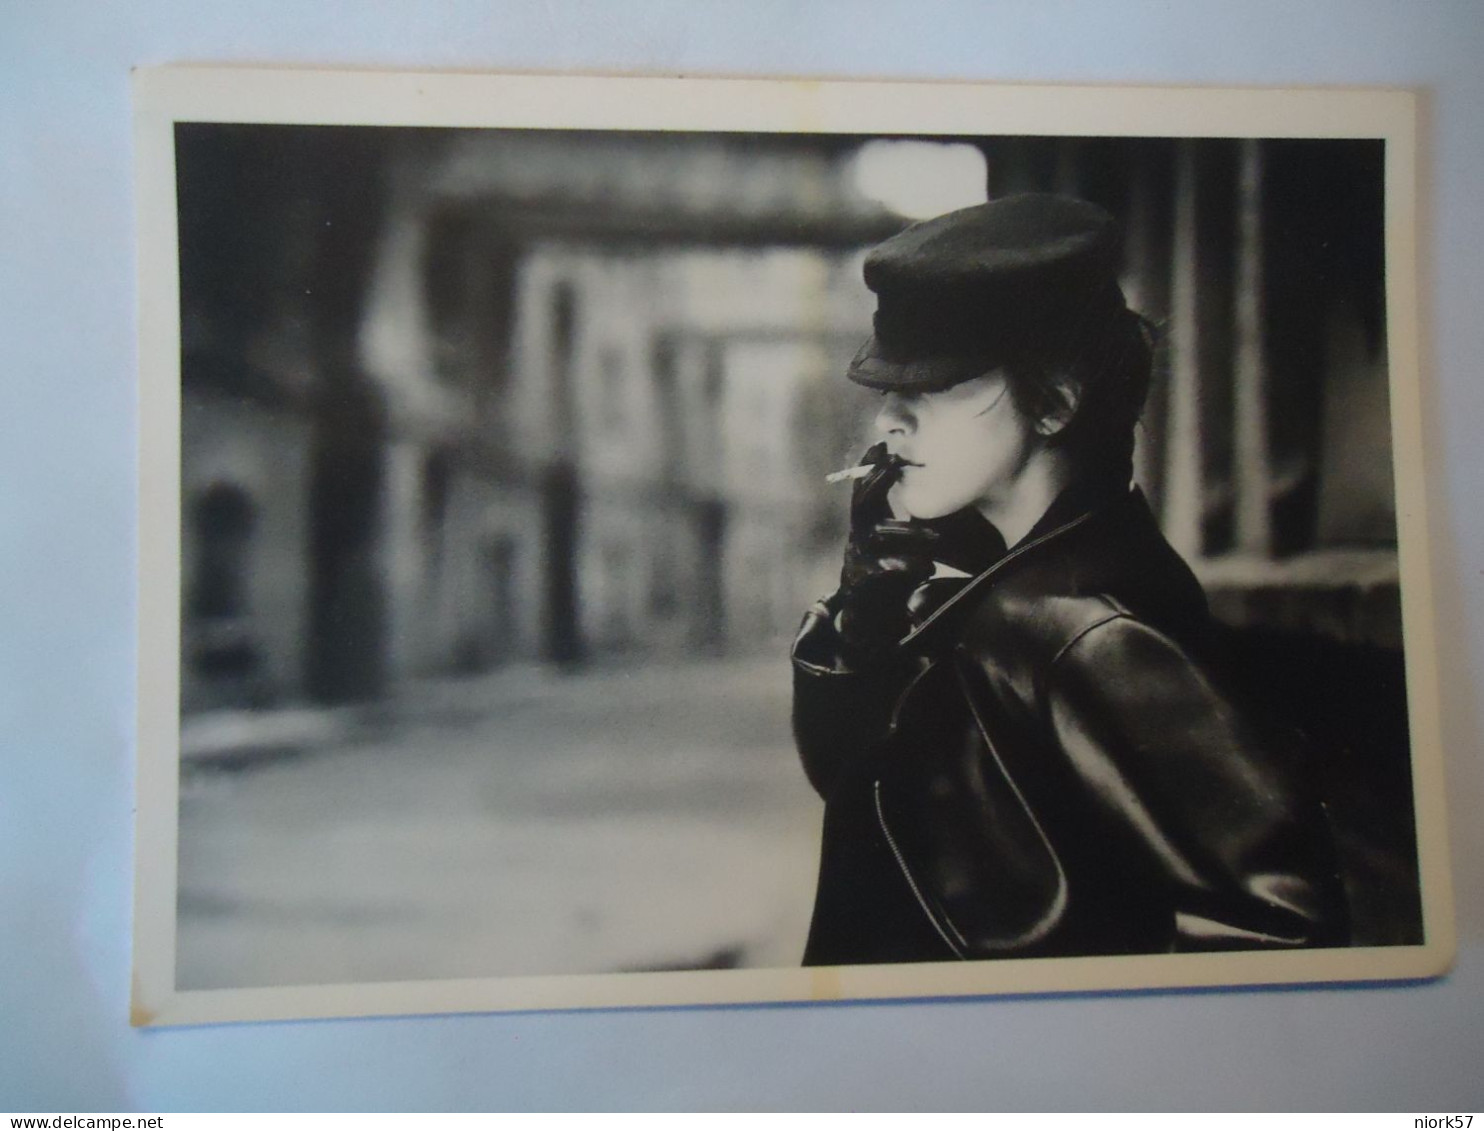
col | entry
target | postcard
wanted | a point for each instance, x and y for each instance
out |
(651, 541)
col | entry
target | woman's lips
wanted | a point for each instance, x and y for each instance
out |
(873, 461)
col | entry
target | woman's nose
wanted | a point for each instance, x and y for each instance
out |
(895, 417)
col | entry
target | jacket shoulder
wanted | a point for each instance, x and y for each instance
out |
(1034, 630)
(1113, 566)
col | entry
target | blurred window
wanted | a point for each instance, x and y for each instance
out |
(224, 517)
(716, 373)
(664, 366)
(615, 614)
(433, 512)
(563, 347)
(222, 645)
(611, 379)
(664, 601)
(447, 267)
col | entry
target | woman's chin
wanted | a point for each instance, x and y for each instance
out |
(911, 500)
(925, 511)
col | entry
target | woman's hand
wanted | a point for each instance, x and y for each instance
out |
(885, 561)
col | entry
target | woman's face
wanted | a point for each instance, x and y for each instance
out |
(964, 446)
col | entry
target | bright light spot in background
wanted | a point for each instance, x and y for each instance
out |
(918, 179)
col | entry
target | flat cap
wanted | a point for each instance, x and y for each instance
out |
(965, 292)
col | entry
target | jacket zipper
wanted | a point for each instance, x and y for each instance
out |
(911, 882)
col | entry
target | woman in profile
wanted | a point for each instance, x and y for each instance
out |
(1011, 706)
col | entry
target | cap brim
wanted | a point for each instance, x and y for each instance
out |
(875, 368)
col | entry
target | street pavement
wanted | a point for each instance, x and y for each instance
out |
(634, 818)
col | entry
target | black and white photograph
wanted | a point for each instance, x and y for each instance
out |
(635, 542)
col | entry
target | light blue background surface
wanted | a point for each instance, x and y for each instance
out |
(67, 458)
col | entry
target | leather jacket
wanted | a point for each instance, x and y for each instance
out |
(1053, 762)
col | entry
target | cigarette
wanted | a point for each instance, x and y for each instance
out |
(859, 471)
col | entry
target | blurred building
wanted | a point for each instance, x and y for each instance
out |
(279, 435)
(561, 403)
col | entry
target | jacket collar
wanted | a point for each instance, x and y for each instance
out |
(1073, 509)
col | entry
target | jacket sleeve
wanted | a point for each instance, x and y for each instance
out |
(838, 710)
(1213, 798)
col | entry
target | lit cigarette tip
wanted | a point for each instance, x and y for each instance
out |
(859, 471)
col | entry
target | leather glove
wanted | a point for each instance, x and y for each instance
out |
(885, 561)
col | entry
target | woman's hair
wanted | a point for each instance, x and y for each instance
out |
(1097, 385)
